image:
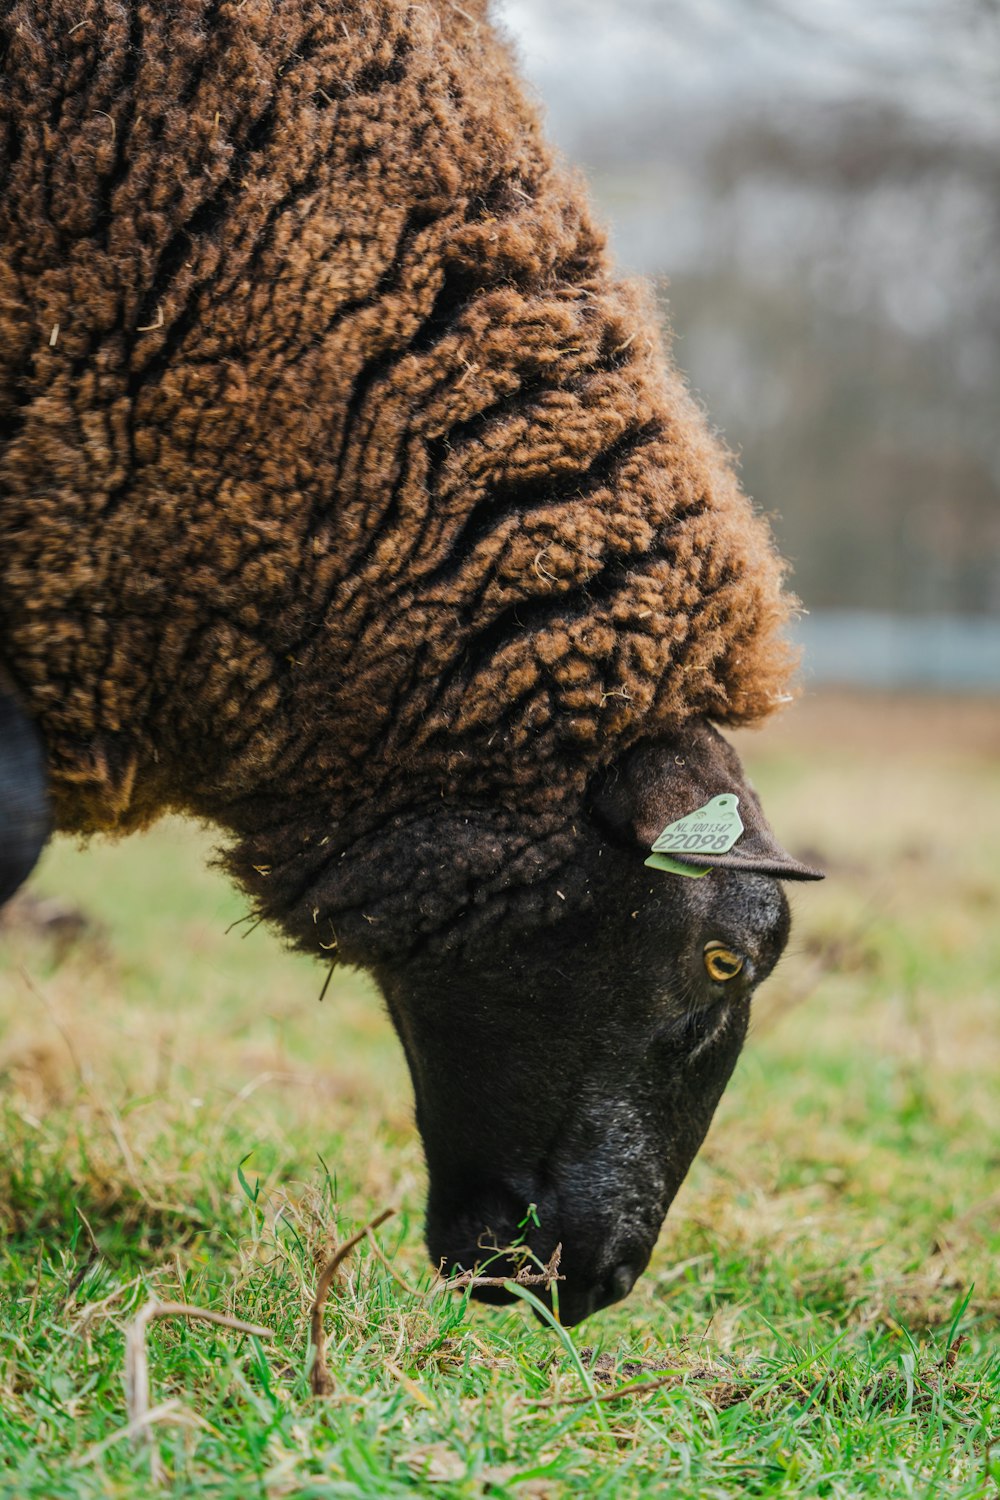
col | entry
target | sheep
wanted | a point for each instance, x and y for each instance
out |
(349, 501)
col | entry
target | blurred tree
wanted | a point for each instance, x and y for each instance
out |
(821, 183)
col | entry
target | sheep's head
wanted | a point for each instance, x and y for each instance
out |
(569, 1037)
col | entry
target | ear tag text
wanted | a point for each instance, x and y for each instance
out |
(712, 829)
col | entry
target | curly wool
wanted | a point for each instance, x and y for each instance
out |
(338, 473)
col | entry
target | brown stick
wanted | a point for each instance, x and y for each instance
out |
(320, 1378)
(137, 1363)
(524, 1277)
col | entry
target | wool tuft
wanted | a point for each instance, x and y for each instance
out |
(339, 473)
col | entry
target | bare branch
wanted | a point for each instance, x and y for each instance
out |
(524, 1277)
(140, 1417)
(320, 1378)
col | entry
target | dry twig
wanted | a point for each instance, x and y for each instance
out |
(140, 1417)
(84, 1316)
(320, 1378)
(525, 1277)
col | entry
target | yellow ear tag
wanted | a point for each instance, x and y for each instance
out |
(712, 829)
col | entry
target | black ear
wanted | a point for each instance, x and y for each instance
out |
(25, 821)
(660, 781)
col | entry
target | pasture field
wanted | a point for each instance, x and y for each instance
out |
(183, 1121)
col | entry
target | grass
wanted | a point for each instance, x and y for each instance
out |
(181, 1120)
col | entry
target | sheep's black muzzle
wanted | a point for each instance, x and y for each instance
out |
(570, 1301)
(577, 1303)
(519, 1235)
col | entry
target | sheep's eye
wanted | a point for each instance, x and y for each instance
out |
(721, 963)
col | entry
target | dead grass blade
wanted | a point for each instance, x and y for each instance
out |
(633, 1388)
(103, 1107)
(167, 1410)
(380, 1254)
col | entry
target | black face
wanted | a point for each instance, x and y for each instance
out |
(577, 1067)
(570, 1016)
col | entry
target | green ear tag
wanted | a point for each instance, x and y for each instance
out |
(674, 867)
(712, 829)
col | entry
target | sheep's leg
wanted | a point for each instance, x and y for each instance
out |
(25, 821)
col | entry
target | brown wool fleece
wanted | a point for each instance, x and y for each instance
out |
(339, 476)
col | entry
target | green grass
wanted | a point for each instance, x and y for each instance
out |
(182, 1120)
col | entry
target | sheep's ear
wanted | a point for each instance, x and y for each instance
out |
(659, 782)
(25, 821)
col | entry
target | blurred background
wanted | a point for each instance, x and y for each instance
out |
(820, 181)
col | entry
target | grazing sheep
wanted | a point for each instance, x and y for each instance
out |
(347, 500)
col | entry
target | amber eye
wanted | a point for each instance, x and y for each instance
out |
(721, 962)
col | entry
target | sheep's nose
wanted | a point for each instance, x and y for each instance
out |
(621, 1281)
(577, 1303)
